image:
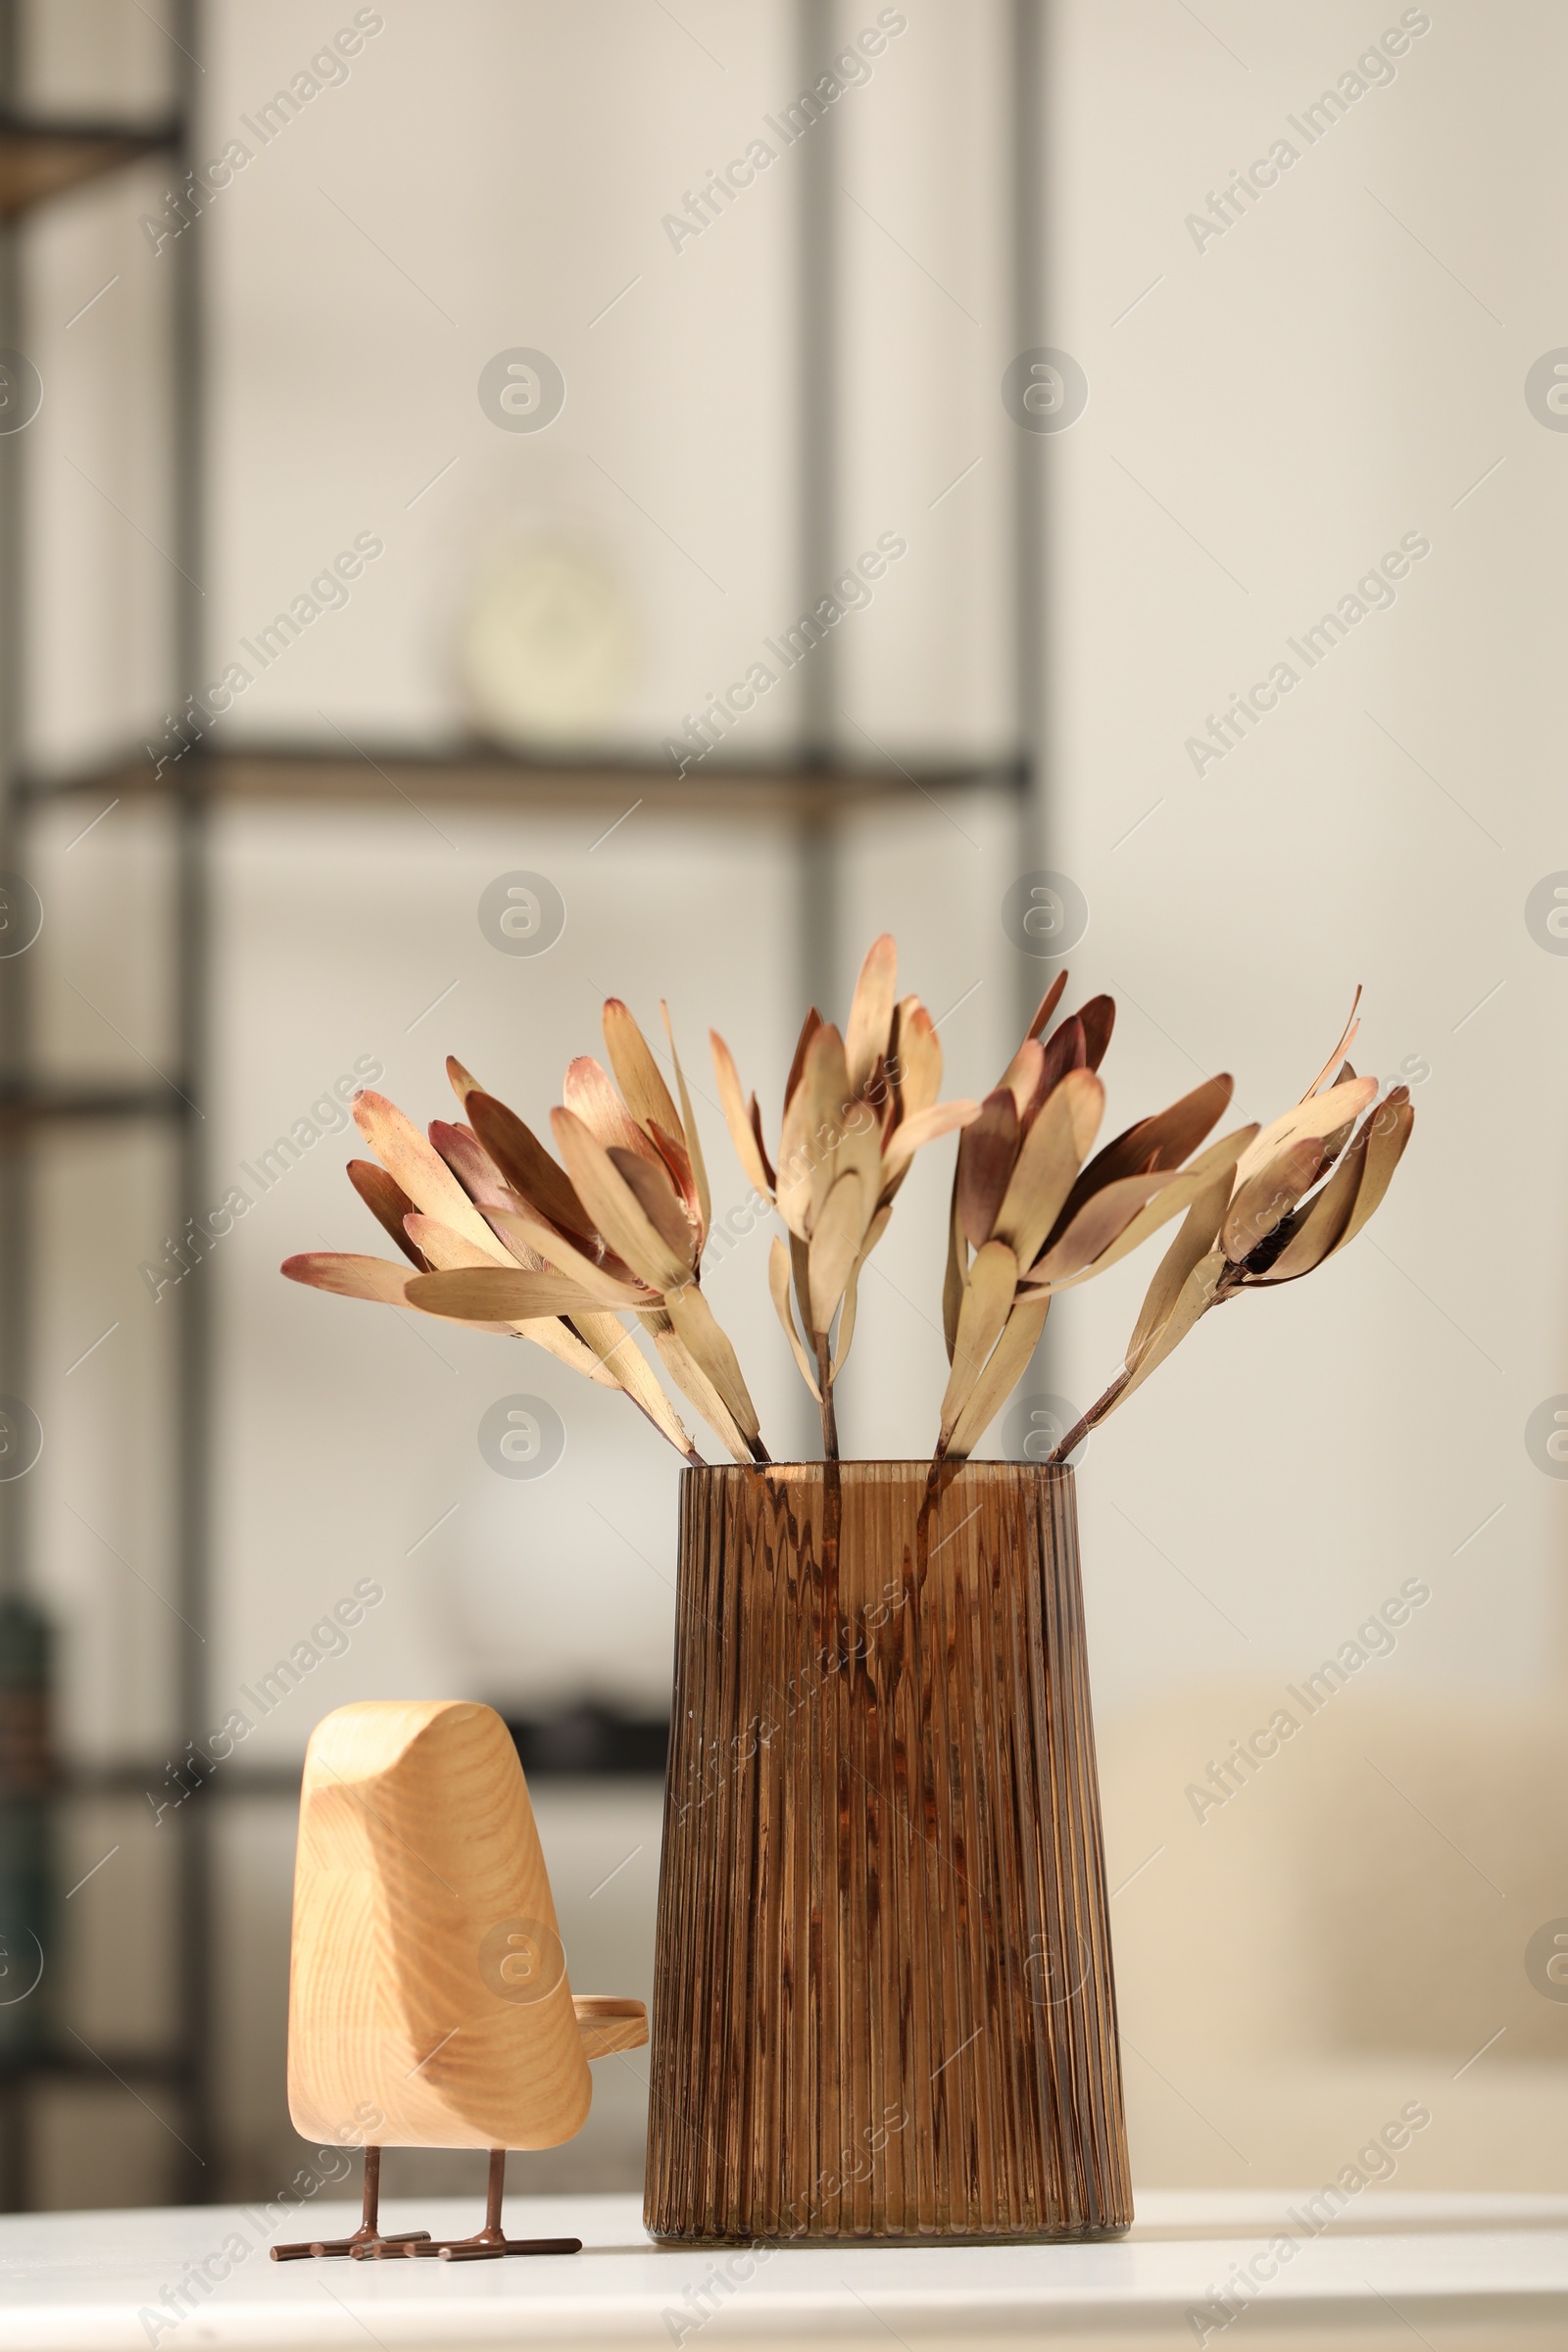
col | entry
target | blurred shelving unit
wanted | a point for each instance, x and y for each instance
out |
(803, 798)
(42, 160)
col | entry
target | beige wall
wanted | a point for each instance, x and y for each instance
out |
(1274, 413)
(1299, 395)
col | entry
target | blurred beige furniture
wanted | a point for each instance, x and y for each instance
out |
(1342, 1934)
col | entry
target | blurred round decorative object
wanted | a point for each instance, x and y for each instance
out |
(549, 645)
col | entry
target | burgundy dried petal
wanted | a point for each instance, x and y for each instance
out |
(1064, 1050)
(533, 1175)
(986, 1155)
(1046, 1005)
(1098, 1018)
(808, 1029)
(757, 1130)
(658, 1200)
(388, 1204)
(1160, 1142)
(471, 1164)
(677, 1159)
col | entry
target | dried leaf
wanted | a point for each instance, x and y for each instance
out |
(792, 1183)
(808, 1029)
(1318, 1115)
(497, 1294)
(1063, 1050)
(748, 1144)
(710, 1349)
(917, 1057)
(528, 1168)
(836, 1237)
(693, 1142)
(444, 1246)
(588, 1093)
(617, 1358)
(387, 1203)
(870, 1023)
(986, 1160)
(449, 1251)
(463, 1083)
(659, 1202)
(1320, 1226)
(613, 1284)
(348, 1276)
(924, 1127)
(840, 1132)
(1009, 1360)
(1098, 1018)
(852, 1290)
(1194, 1300)
(987, 1303)
(614, 1207)
(637, 1074)
(1048, 1161)
(761, 1147)
(1160, 1142)
(1334, 1145)
(1046, 1005)
(677, 1166)
(1173, 1196)
(821, 1134)
(413, 1160)
(957, 1273)
(695, 1385)
(471, 1164)
(1340, 1050)
(1260, 1205)
(1022, 1077)
(779, 1282)
(1101, 1223)
(1198, 1236)
(1391, 1127)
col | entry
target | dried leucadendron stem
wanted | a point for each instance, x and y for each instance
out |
(1300, 1191)
(856, 1108)
(504, 1237)
(1040, 1216)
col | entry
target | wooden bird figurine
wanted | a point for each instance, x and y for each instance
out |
(429, 2005)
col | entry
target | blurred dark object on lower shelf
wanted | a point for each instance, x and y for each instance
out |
(26, 1842)
(591, 1741)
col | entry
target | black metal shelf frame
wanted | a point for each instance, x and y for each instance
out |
(809, 793)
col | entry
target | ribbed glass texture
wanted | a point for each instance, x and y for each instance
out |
(883, 2003)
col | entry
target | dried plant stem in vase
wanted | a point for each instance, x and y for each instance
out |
(884, 2005)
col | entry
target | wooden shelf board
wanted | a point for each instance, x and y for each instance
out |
(421, 781)
(84, 2065)
(42, 160)
(45, 1104)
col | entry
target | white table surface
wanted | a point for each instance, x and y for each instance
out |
(1482, 2272)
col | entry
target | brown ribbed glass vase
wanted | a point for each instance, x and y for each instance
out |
(883, 2004)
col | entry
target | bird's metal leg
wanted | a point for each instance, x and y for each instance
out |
(366, 2239)
(491, 2242)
